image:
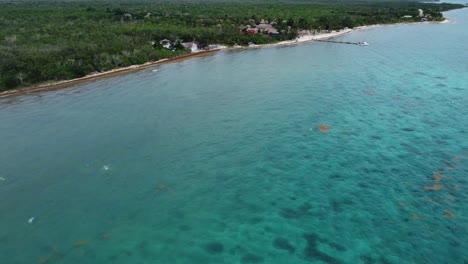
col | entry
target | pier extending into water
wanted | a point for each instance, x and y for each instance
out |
(344, 42)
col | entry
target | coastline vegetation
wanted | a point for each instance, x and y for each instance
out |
(49, 41)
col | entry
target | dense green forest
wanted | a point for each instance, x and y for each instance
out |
(49, 41)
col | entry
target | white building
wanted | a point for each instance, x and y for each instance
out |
(193, 46)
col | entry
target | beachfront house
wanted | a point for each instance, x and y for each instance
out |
(248, 30)
(193, 46)
(264, 27)
(267, 28)
(165, 43)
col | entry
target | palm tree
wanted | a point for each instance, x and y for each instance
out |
(21, 75)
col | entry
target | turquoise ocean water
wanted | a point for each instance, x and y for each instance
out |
(219, 159)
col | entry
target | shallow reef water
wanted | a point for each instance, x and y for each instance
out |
(312, 153)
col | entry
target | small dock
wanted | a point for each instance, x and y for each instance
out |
(344, 42)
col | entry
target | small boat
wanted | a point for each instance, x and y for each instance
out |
(363, 43)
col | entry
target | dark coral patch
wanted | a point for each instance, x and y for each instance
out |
(214, 248)
(372, 259)
(420, 73)
(255, 220)
(301, 211)
(282, 243)
(336, 246)
(289, 213)
(251, 258)
(312, 253)
(335, 177)
(237, 250)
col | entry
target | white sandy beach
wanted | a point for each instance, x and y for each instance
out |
(304, 38)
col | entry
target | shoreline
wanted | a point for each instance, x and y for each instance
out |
(124, 70)
(114, 72)
(306, 38)
(94, 76)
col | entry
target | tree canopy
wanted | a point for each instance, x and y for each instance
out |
(42, 41)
